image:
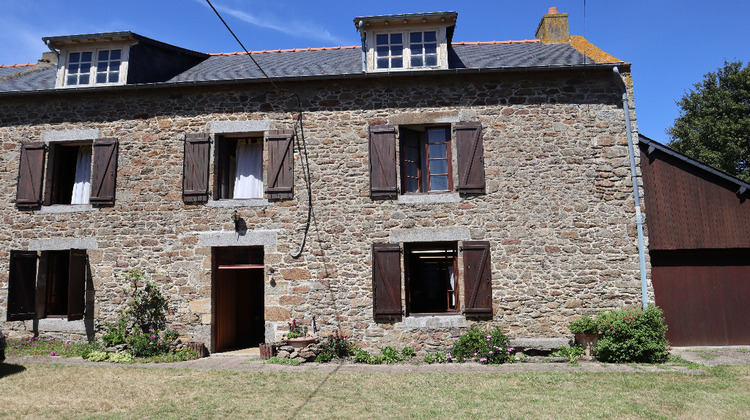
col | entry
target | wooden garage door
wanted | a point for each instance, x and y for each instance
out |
(705, 295)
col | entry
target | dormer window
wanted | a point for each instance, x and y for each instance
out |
(417, 41)
(94, 67)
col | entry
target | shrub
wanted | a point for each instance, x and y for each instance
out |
(98, 356)
(337, 345)
(148, 344)
(390, 355)
(408, 352)
(375, 360)
(486, 346)
(584, 325)
(323, 357)
(146, 306)
(429, 359)
(116, 333)
(362, 356)
(120, 357)
(633, 335)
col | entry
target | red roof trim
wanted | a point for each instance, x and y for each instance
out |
(17, 65)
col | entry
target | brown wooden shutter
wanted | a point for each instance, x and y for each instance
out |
(280, 165)
(76, 284)
(386, 281)
(30, 175)
(22, 286)
(470, 158)
(104, 175)
(383, 181)
(477, 279)
(195, 168)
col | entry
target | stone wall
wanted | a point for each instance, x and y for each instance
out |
(558, 210)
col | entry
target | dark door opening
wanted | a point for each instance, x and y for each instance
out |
(431, 281)
(237, 298)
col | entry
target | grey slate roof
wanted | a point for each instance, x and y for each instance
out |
(332, 62)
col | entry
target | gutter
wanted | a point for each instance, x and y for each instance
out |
(636, 194)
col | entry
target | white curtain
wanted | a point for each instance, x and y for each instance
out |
(82, 185)
(249, 180)
(452, 279)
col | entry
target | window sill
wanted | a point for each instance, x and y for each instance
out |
(246, 202)
(430, 198)
(62, 325)
(67, 208)
(418, 321)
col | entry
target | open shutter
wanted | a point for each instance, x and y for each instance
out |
(383, 161)
(477, 279)
(280, 165)
(22, 285)
(386, 281)
(30, 174)
(104, 175)
(470, 158)
(76, 284)
(195, 168)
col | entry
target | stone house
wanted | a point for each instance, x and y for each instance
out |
(398, 191)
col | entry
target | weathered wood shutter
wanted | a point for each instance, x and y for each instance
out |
(21, 285)
(470, 158)
(195, 168)
(383, 161)
(280, 165)
(76, 284)
(104, 175)
(41, 285)
(386, 281)
(477, 279)
(30, 175)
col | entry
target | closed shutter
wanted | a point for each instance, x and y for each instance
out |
(477, 279)
(76, 284)
(470, 158)
(280, 165)
(386, 281)
(30, 174)
(195, 168)
(383, 161)
(104, 175)
(22, 286)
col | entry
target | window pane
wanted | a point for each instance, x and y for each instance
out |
(397, 50)
(114, 66)
(431, 60)
(397, 63)
(114, 77)
(438, 166)
(416, 61)
(382, 51)
(114, 55)
(416, 49)
(103, 55)
(74, 57)
(73, 68)
(436, 135)
(430, 48)
(84, 80)
(412, 185)
(396, 39)
(438, 183)
(381, 39)
(85, 67)
(438, 151)
(412, 154)
(382, 63)
(86, 56)
(71, 81)
(101, 77)
(430, 36)
(411, 170)
(415, 37)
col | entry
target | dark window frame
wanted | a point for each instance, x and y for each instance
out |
(415, 275)
(61, 171)
(225, 169)
(418, 138)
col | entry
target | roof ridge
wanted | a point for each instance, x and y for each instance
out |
(520, 41)
(17, 65)
(340, 47)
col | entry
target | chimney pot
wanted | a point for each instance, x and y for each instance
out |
(553, 28)
(552, 11)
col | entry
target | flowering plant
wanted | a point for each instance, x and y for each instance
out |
(489, 347)
(296, 330)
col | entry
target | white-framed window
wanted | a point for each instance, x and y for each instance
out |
(408, 50)
(93, 66)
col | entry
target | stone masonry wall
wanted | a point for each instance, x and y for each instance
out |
(558, 211)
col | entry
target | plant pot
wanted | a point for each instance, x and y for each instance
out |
(588, 341)
(301, 342)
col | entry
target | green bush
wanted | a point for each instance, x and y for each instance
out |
(116, 333)
(98, 356)
(376, 360)
(337, 345)
(120, 357)
(148, 344)
(489, 347)
(390, 355)
(584, 325)
(429, 359)
(323, 357)
(146, 306)
(362, 356)
(571, 353)
(633, 335)
(408, 352)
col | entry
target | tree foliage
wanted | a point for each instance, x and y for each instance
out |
(714, 122)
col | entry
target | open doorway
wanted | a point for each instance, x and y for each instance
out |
(237, 298)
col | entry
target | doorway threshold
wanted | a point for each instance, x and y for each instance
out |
(248, 352)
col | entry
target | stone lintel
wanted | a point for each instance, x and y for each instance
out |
(247, 238)
(70, 135)
(226, 127)
(59, 244)
(66, 208)
(429, 198)
(435, 321)
(430, 235)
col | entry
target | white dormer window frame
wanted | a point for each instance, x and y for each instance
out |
(93, 65)
(407, 49)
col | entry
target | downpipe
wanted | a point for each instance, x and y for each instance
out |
(636, 194)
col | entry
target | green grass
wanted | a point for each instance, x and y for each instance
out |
(44, 346)
(707, 356)
(106, 391)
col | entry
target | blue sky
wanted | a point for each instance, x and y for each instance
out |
(671, 44)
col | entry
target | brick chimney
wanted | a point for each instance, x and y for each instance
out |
(553, 28)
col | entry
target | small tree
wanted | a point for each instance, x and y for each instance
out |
(714, 122)
(146, 306)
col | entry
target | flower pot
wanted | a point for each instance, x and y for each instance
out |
(587, 341)
(301, 342)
